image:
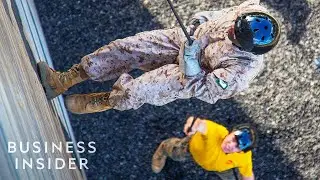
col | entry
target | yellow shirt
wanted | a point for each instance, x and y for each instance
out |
(206, 151)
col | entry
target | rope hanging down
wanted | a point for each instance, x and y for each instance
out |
(180, 23)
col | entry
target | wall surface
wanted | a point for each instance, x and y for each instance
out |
(25, 114)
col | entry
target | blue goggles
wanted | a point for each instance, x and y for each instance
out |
(243, 139)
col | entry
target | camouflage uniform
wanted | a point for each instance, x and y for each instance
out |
(160, 51)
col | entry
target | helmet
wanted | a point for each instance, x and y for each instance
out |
(257, 32)
(246, 136)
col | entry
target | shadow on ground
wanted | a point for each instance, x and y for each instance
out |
(76, 28)
(125, 141)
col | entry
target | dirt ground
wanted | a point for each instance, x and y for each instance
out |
(283, 102)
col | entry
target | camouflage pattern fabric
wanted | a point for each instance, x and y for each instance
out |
(226, 69)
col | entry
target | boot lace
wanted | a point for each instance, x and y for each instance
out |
(72, 73)
(99, 99)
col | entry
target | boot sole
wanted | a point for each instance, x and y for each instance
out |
(69, 103)
(41, 67)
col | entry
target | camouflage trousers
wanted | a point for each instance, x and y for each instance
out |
(154, 52)
(178, 150)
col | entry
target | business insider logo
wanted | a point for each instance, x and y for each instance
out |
(50, 148)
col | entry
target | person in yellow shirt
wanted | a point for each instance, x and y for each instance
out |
(211, 146)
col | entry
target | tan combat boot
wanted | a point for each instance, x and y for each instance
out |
(88, 103)
(159, 159)
(55, 83)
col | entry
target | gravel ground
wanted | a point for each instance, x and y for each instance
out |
(283, 102)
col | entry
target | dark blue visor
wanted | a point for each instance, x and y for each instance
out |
(243, 139)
